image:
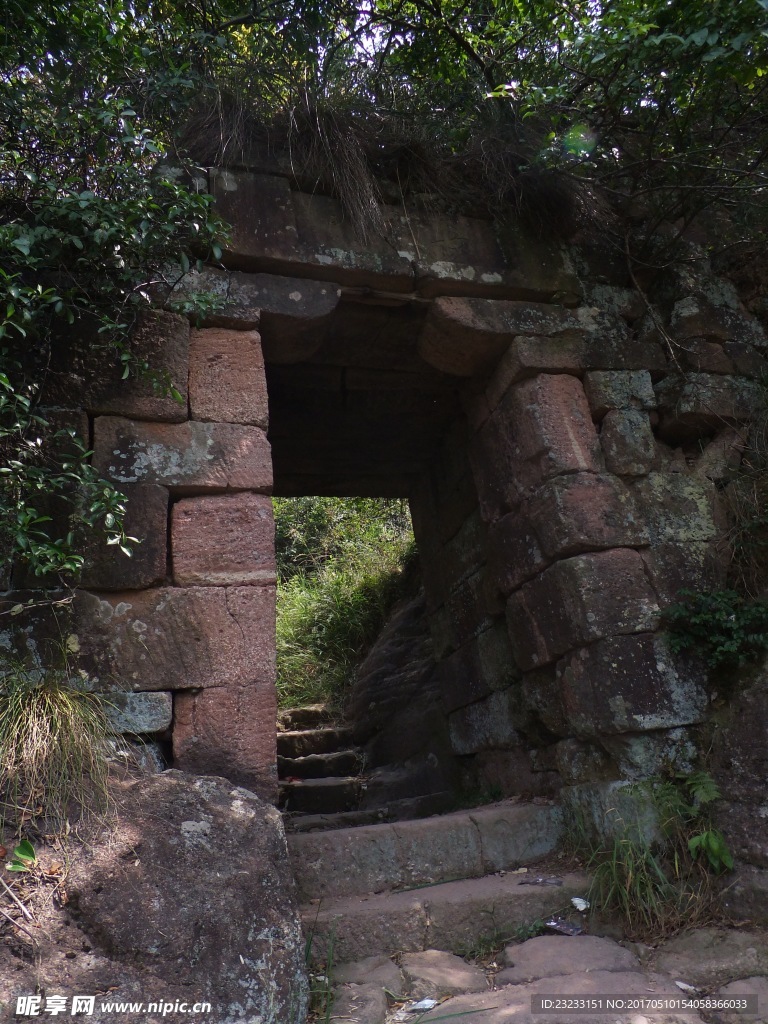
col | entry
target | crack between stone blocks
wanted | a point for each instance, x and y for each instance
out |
(484, 863)
(232, 615)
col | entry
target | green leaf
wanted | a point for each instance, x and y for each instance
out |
(25, 851)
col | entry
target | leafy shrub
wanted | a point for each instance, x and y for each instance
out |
(722, 627)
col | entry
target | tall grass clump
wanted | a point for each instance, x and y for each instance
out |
(53, 750)
(342, 564)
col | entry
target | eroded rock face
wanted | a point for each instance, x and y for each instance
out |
(191, 899)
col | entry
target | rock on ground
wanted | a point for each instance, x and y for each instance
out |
(190, 899)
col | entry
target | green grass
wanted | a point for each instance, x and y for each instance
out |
(334, 598)
(53, 752)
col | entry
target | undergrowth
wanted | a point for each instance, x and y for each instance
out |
(343, 564)
(54, 761)
(660, 872)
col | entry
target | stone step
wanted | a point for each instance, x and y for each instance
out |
(386, 856)
(319, 766)
(311, 716)
(396, 810)
(453, 916)
(321, 796)
(302, 742)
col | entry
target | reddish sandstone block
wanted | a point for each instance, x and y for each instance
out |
(175, 638)
(691, 565)
(630, 684)
(185, 457)
(479, 667)
(584, 512)
(224, 540)
(527, 356)
(229, 731)
(495, 469)
(579, 600)
(547, 423)
(627, 442)
(467, 605)
(146, 518)
(226, 377)
(514, 552)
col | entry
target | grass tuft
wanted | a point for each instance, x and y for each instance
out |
(53, 750)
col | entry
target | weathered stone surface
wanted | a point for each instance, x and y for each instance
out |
(463, 678)
(613, 809)
(704, 356)
(372, 970)
(514, 834)
(696, 317)
(236, 944)
(177, 638)
(630, 684)
(643, 755)
(434, 974)
(578, 761)
(364, 1004)
(709, 957)
(676, 507)
(94, 374)
(223, 540)
(487, 724)
(230, 731)
(627, 442)
(618, 389)
(701, 403)
(185, 456)
(722, 455)
(740, 766)
(293, 313)
(577, 600)
(138, 713)
(677, 565)
(146, 519)
(467, 604)
(527, 356)
(547, 955)
(226, 377)
(514, 552)
(512, 773)
(466, 336)
(744, 987)
(584, 512)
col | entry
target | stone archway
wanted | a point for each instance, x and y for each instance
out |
(561, 469)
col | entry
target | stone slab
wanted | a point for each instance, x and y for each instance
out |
(372, 970)
(618, 389)
(223, 540)
(628, 443)
(139, 713)
(487, 724)
(515, 834)
(363, 1004)
(675, 507)
(709, 957)
(434, 974)
(175, 638)
(226, 377)
(549, 956)
(184, 457)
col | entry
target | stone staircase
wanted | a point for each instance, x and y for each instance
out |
(323, 783)
(448, 882)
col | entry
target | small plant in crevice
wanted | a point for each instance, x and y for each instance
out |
(661, 878)
(722, 627)
(54, 755)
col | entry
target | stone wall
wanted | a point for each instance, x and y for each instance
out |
(560, 434)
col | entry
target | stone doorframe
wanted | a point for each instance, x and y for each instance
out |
(572, 497)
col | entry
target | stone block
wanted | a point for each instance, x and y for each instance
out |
(467, 605)
(699, 404)
(618, 389)
(696, 317)
(547, 423)
(527, 356)
(494, 469)
(722, 455)
(627, 441)
(260, 209)
(477, 668)
(630, 684)
(292, 313)
(578, 761)
(578, 600)
(226, 377)
(464, 553)
(139, 713)
(146, 519)
(229, 731)
(512, 773)
(85, 368)
(676, 507)
(511, 835)
(184, 457)
(435, 974)
(543, 703)
(583, 512)
(514, 552)
(645, 755)
(676, 565)
(488, 724)
(745, 358)
(223, 540)
(704, 356)
(441, 631)
(175, 638)
(465, 337)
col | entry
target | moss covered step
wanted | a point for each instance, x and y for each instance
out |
(302, 742)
